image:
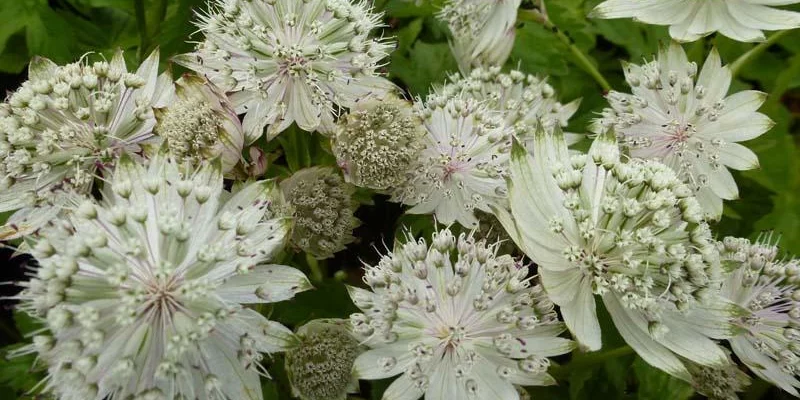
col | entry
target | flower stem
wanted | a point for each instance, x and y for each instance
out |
(141, 23)
(316, 272)
(580, 59)
(745, 58)
(588, 360)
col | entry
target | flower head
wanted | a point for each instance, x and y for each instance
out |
(377, 142)
(288, 61)
(199, 124)
(463, 165)
(142, 294)
(718, 383)
(320, 366)
(768, 290)
(64, 124)
(687, 122)
(323, 208)
(456, 320)
(690, 20)
(630, 232)
(524, 101)
(482, 31)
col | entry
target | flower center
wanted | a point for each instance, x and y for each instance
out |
(679, 133)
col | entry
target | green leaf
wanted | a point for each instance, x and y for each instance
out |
(328, 300)
(425, 63)
(657, 385)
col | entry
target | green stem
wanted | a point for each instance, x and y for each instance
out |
(580, 59)
(316, 272)
(588, 360)
(141, 22)
(745, 58)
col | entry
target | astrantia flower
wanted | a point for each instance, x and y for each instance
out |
(142, 294)
(463, 164)
(768, 290)
(288, 61)
(199, 124)
(629, 232)
(323, 206)
(456, 320)
(64, 124)
(690, 20)
(690, 126)
(483, 31)
(718, 383)
(320, 365)
(524, 101)
(377, 142)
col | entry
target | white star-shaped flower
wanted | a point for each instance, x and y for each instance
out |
(688, 122)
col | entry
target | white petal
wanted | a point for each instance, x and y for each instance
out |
(738, 157)
(402, 389)
(633, 329)
(367, 364)
(577, 306)
(265, 284)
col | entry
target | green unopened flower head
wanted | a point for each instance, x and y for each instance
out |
(719, 383)
(320, 367)
(377, 142)
(323, 208)
(200, 124)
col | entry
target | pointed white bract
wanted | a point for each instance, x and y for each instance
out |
(142, 294)
(688, 122)
(689, 20)
(290, 61)
(766, 287)
(463, 164)
(320, 366)
(524, 101)
(631, 233)
(198, 124)
(64, 125)
(482, 31)
(456, 321)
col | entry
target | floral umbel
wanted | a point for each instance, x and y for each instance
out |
(320, 365)
(628, 232)
(766, 287)
(455, 320)
(65, 126)
(687, 121)
(143, 294)
(463, 163)
(199, 124)
(285, 62)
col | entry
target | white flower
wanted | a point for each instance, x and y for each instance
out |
(377, 142)
(142, 294)
(456, 320)
(463, 164)
(524, 101)
(286, 61)
(323, 206)
(691, 126)
(768, 290)
(630, 233)
(320, 366)
(483, 31)
(199, 124)
(690, 20)
(66, 125)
